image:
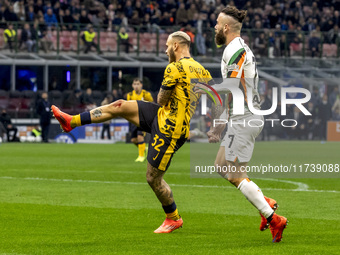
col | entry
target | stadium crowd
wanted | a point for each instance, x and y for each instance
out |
(278, 28)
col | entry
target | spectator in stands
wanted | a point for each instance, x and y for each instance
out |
(201, 25)
(299, 131)
(68, 20)
(19, 10)
(9, 36)
(30, 15)
(333, 95)
(18, 5)
(273, 18)
(50, 18)
(327, 25)
(336, 115)
(315, 97)
(56, 8)
(212, 20)
(2, 131)
(5, 119)
(310, 121)
(146, 23)
(265, 104)
(166, 20)
(46, 6)
(123, 38)
(332, 35)
(116, 95)
(10, 15)
(106, 125)
(39, 7)
(60, 19)
(110, 15)
(261, 45)
(181, 15)
(28, 37)
(2, 18)
(135, 20)
(272, 45)
(295, 44)
(128, 9)
(54, 84)
(74, 7)
(44, 111)
(324, 114)
(88, 100)
(314, 44)
(139, 8)
(75, 17)
(336, 17)
(74, 99)
(46, 40)
(336, 105)
(88, 38)
(191, 14)
(283, 45)
(84, 19)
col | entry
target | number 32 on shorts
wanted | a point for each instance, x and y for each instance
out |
(160, 142)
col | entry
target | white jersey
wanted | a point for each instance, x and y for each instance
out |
(238, 62)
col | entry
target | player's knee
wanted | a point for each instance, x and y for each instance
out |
(117, 106)
(153, 181)
(150, 179)
(234, 181)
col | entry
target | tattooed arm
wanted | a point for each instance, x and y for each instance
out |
(163, 96)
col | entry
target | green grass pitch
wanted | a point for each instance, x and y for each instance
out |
(94, 199)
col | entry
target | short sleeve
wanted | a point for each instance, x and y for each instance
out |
(171, 77)
(148, 97)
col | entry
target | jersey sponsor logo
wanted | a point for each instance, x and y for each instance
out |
(233, 68)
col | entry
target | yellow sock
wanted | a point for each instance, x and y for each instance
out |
(141, 149)
(174, 215)
(76, 122)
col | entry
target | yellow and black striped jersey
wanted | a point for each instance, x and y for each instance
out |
(144, 95)
(174, 118)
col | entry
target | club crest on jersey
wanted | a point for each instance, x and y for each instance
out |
(233, 67)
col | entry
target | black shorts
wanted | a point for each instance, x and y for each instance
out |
(161, 148)
(135, 131)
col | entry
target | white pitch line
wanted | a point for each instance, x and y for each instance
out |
(144, 183)
(300, 185)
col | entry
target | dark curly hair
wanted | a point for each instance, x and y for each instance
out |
(237, 14)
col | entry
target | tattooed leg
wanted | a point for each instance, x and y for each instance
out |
(120, 108)
(162, 190)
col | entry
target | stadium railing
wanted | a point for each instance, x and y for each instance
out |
(270, 43)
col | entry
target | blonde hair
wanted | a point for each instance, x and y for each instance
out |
(181, 37)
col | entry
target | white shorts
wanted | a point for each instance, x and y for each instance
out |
(240, 138)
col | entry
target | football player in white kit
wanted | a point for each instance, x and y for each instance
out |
(238, 68)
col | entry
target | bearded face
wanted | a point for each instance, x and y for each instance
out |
(220, 38)
(172, 57)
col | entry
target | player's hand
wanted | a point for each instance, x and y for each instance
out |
(213, 137)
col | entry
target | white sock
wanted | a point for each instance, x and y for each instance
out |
(255, 196)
